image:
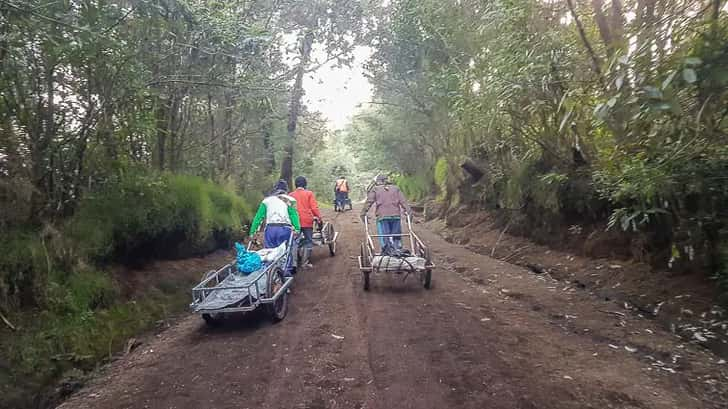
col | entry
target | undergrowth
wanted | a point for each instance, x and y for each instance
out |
(414, 187)
(138, 210)
(69, 312)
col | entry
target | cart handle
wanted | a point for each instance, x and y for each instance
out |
(409, 228)
(409, 231)
(366, 230)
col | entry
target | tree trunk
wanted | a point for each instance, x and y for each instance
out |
(211, 152)
(40, 141)
(227, 151)
(604, 30)
(161, 134)
(616, 22)
(716, 11)
(270, 158)
(596, 64)
(173, 127)
(645, 38)
(294, 108)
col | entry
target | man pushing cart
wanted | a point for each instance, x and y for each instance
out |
(261, 278)
(390, 204)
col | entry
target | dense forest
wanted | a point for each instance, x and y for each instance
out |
(133, 130)
(141, 129)
(561, 114)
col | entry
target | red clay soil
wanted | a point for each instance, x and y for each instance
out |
(488, 335)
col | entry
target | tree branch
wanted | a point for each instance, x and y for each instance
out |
(210, 84)
(596, 64)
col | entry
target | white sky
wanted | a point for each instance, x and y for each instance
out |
(336, 92)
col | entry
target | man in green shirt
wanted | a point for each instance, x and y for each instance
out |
(281, 219)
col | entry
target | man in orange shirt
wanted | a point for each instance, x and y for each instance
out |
(307, 211)
(341, 190)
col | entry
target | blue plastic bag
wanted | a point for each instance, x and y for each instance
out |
(247, 261)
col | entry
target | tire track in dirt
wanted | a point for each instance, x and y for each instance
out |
(323, 371)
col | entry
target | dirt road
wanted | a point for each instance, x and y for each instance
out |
(488, 335)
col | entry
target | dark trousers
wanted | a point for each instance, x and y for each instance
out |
(307, 241)
(341, 198)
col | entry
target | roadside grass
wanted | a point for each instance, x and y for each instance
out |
(71, 314)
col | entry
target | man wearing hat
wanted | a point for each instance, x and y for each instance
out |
(281, 218)
(389, 203)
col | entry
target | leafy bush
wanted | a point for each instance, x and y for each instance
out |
(70, 314)
(52, 343)
(414, 187)
(24, 259)
(144, 210)
(441, 174)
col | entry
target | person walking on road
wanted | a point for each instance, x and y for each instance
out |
(281, 220)
(308, 213)
(389, 204)
(341, 191)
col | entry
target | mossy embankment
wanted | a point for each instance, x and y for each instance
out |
(71, 308)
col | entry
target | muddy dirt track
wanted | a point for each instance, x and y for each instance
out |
(488, 335)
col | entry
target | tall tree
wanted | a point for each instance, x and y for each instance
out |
(331, 26)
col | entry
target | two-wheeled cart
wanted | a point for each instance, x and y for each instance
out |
(324, 234)
(417, 260)
(225, 291)
(342, 205)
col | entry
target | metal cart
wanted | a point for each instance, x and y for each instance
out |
(225, 291)
(419, 262)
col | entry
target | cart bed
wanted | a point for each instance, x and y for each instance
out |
(234, 289)
(389, 263)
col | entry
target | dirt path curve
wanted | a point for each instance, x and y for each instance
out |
(488, 335)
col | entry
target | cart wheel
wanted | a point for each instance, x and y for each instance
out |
(207, 275)
(364, 254)
(427, 276)
(277, 310)
(427, 279)
(212, 320)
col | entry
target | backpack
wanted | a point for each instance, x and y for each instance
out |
(342, 185)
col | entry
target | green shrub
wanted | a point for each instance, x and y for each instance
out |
(70, 315)
(80, 291)
(51, 343)
(545, 190)
(518, 186)
(440, 176)
(141, 210)
(414, 187)
(23, 262)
